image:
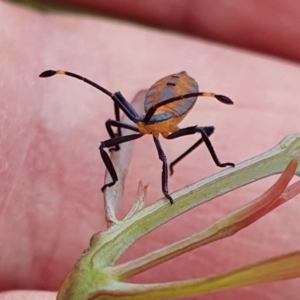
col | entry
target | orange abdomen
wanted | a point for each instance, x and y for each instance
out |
(169, 87)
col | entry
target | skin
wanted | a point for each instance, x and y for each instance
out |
(50, 168)
(265, 27)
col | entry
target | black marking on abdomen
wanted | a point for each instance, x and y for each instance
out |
(172, 81)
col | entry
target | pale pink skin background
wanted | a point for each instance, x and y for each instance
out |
(50, 168)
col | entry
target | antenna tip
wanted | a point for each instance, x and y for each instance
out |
(224, 99)
(48, 73)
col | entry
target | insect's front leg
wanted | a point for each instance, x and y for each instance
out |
(105, 157)
(109, 129)
(117, 118)
(164, 178)
(112, 123)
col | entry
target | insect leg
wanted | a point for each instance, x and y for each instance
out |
(208, 130)
(106, 159)
(212, 151)
(205, 138)
(112, 123)
(117, 117)
(164, 179)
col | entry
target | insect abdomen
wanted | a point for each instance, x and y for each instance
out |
(169, 87)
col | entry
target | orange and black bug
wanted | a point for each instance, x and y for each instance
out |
(167, 102)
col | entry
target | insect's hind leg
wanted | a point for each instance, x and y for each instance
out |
(209, 130)
(113, 123)
(212, 150)
(205, 138)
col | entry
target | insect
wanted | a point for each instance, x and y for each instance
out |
(167, 102)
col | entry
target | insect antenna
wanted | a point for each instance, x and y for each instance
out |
(50, 73)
